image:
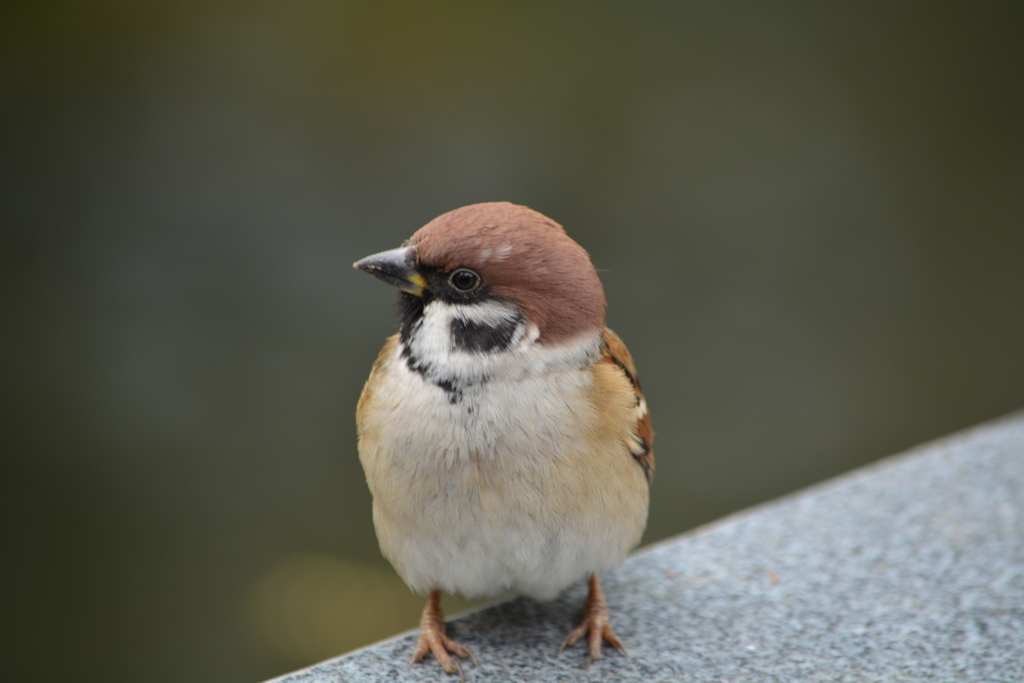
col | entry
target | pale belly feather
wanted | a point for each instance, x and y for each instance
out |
(497, 491)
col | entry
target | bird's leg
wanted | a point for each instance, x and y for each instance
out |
(595, 624)
(434, 639)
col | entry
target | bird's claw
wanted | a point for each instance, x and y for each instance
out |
(596, 625)
(434, 639)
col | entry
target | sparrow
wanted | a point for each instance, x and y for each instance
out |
(502, 430)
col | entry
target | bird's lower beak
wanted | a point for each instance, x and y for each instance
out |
(395, 267)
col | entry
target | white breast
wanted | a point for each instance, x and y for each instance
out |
(497, 489)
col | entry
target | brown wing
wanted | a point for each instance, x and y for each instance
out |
(614, 351)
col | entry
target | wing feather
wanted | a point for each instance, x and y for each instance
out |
(615, 352)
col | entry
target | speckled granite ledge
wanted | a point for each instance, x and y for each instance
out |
(911, 569)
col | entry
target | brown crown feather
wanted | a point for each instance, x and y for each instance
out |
(523, 256)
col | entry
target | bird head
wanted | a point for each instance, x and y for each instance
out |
(498, 273)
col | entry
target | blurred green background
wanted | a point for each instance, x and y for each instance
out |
(809, 220)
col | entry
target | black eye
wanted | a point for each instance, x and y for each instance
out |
(464, 280)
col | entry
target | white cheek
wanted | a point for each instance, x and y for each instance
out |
(441, 360)
(491, 313)
(432, 342)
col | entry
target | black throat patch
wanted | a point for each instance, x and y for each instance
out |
(411, 314)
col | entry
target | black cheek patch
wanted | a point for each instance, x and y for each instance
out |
(471, 336)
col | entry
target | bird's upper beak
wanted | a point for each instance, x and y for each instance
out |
(396, 267)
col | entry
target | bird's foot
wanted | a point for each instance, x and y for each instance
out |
(434, 639)
(595, 624)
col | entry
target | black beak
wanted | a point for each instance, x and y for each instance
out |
(395, 267)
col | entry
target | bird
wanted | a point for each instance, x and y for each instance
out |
(502, 431)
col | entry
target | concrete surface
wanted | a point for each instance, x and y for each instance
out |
(911, 569)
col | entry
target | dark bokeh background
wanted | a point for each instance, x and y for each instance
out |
(809, 220)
